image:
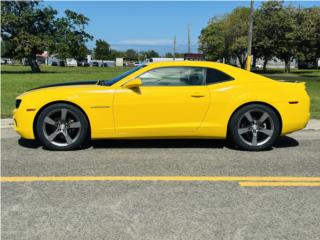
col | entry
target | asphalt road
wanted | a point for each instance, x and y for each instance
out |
(159, 209)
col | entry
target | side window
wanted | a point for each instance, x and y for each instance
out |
(215, 76)
(174, 76)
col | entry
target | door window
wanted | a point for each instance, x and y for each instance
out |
(174, 76)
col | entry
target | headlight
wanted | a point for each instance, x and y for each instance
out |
(18, 101)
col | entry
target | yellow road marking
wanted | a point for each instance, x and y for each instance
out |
(279, 184)
(160, 178)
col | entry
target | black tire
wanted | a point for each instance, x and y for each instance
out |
(249, 133)
(69, 130)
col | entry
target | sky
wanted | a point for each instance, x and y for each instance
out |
(148, 25)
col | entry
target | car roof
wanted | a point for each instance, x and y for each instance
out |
(182, 63)
(230, 70)
(216, 65)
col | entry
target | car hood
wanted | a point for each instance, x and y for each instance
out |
(88, 82)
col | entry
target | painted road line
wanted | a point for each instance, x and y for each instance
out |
(160, 178)
(279, 184)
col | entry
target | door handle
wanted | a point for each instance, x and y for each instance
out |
(197, 95)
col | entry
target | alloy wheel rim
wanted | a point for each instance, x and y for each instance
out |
(61, 127)
(255, 127)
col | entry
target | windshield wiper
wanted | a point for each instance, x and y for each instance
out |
(100, 83)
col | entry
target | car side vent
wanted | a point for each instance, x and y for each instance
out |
(18, 102)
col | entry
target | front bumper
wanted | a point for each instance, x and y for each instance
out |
(23, 122)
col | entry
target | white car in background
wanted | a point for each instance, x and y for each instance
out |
(6, 61)
(71, 62)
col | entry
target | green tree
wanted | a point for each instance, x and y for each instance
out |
(168, 55)
(70, 36)
(31, 29)
(179, 55)
(102, 50)
(6, 49)
(116, 54)
(307, 34)
(279, 31)
(285, 44)
(151, 54)
(286, 32)
(226, 37)
(132, 54)
(265, 30)
(212, 40)
(236, 26)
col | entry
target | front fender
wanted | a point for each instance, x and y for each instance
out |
(95, 101)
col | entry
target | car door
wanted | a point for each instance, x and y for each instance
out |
(172, 101)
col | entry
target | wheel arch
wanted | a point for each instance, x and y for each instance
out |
(255, 102)
(57, 102)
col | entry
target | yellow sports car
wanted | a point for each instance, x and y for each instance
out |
(165, 100)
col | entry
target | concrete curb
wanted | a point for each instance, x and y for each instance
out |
(313, 124)
(6, 123)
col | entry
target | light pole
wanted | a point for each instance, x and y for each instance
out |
(249, 56)
(174, 48)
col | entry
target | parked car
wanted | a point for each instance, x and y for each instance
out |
(165, 100)
(6, 61)
(83, 64)
(95, 64)
(71, 62)
(256, 68)
(307, 64)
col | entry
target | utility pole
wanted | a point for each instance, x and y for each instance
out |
(249, 56)
(174, 48)
(189, 45)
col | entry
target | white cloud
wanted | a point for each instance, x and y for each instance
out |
(146, 42)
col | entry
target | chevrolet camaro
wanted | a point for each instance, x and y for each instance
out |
(165, 100)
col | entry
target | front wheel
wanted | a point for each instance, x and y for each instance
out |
(254, 127)
(62, 127)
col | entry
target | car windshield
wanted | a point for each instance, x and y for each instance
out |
(123, 75)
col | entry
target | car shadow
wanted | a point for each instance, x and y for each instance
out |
(282, 142)
(26, 143)
(286, 142)
(159, 143)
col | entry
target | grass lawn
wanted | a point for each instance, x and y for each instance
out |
(17, 79)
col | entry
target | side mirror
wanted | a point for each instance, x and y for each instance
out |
(134, 83)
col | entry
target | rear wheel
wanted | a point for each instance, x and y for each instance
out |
(62, 127)
(254, 127)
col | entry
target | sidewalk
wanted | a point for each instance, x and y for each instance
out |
(314, 124)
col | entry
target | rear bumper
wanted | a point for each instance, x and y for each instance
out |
(295, 116)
